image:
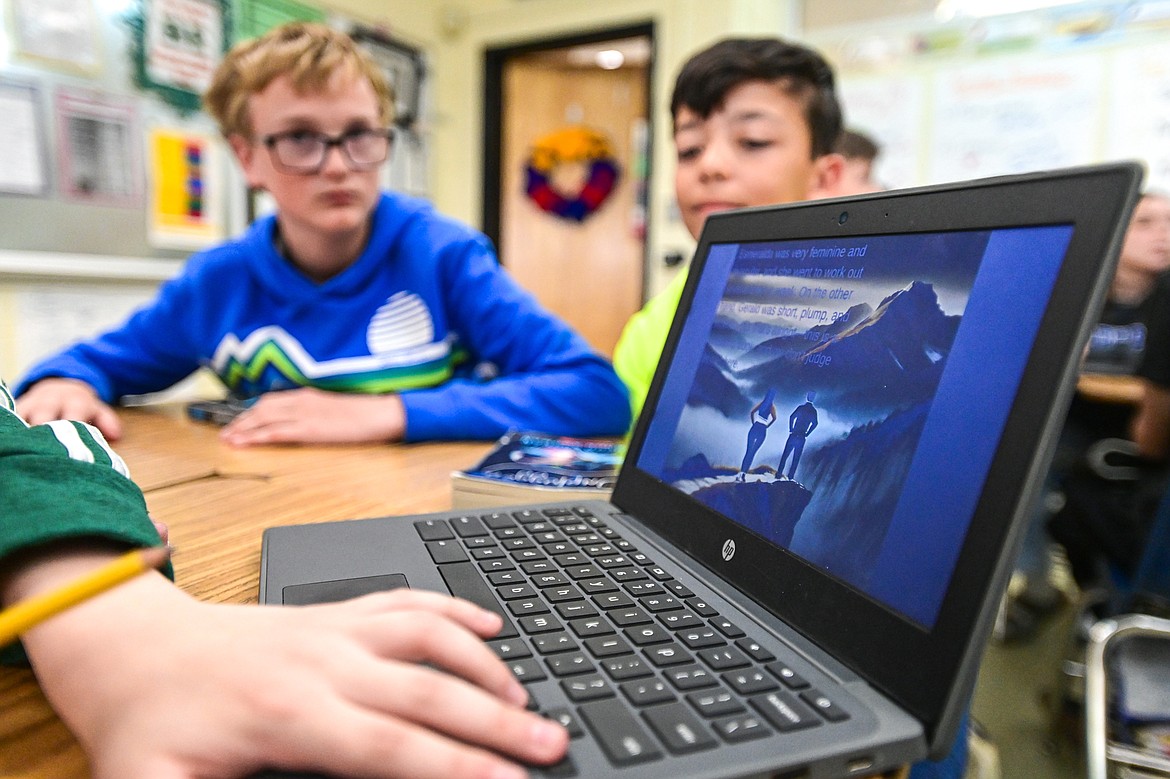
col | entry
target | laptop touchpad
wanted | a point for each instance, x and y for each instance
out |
(341, 589)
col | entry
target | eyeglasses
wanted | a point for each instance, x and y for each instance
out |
(305, 151)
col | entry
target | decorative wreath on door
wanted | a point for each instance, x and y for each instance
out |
(571, 172)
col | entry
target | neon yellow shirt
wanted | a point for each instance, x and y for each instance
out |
(635, 357)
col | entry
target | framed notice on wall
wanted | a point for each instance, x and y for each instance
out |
(404, 68)
(22, 153)
(62, 34)
(99, 161)
(176, 47)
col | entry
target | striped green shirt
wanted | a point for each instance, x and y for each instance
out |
(59, 481)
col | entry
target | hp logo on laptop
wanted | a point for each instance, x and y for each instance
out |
(728, 549)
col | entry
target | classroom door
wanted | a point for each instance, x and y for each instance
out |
(571, 231)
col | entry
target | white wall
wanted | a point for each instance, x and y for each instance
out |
(49, 300)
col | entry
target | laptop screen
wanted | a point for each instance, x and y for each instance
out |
(823, 390)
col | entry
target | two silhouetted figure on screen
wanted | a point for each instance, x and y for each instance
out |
(802, 422)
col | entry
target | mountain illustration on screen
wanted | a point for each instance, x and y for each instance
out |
(907, 332)
(872, 358)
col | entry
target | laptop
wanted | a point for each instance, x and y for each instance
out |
(820, 505)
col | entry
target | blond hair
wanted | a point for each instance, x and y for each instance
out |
(308, 53)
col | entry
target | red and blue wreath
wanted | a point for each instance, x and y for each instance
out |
(569, 146)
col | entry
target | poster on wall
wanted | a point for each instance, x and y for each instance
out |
(1139, 111)
(897, 133)
(63, 34)
(22, 154)
(176, 47)
(404, 69)
(253, 18)
(1015, 114)
(185, 210)
(99, 161)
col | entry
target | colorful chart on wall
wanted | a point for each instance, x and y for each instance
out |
(253, 18)
(1069, 92)
(184, 211)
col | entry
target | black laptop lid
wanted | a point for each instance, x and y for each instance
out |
(913, 352)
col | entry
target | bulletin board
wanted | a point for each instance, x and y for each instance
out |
(103, 147)
(1048, 93)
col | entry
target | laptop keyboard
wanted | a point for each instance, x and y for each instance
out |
(647, 666)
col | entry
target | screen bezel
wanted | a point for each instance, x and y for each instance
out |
(929, 672)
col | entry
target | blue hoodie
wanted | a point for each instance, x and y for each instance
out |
(425, 311)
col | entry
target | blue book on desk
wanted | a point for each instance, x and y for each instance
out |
(527, 467)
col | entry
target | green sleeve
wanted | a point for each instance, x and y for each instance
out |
(635, 358)
(62, 481)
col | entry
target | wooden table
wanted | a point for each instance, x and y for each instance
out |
(1110, 388)
(216, 501)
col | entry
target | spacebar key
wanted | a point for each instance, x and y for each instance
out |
(464, 581)
(623, 739)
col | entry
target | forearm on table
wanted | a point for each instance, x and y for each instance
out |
(1151, 423)
(560, 402)
(69, 649)
(78, 629)
(46, 566)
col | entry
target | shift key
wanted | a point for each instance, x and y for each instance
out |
(464, 581)
(622, 737)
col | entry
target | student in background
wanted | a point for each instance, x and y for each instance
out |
(755, 121)
(383, 320)
(860, 153)
(1149, 235)
(1103, 522)
(156, 684)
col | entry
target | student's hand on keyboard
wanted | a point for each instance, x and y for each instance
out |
(394, 684)
(309, 415)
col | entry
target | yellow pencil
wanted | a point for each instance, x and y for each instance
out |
(29, 613)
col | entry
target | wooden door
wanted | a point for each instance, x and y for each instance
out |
(589, 272)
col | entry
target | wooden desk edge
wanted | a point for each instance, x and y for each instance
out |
(1111, 388)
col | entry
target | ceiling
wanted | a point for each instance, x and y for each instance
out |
(817, 14)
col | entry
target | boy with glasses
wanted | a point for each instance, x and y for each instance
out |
(383, 320)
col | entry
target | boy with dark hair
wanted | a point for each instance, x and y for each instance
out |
(382, 319)
(755, 120)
